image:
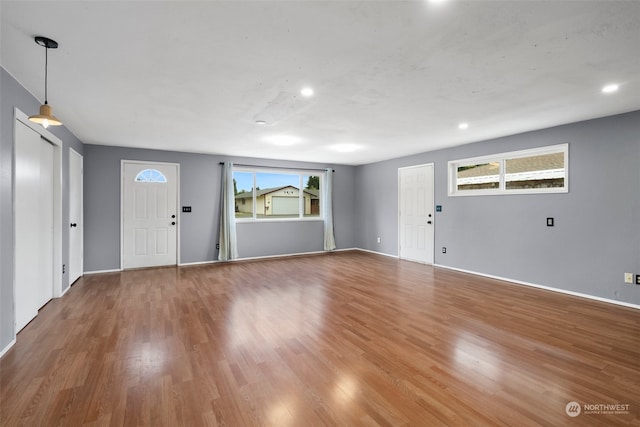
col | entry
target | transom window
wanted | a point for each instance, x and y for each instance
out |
(151, 175)
(538, 170)
(261, 194)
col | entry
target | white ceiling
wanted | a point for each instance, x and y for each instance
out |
(391, 78)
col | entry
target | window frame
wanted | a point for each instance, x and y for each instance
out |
(301, 173)
(502, 158)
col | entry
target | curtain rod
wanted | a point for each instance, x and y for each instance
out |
(278, 167)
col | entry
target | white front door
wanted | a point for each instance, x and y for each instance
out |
(34, 226)
(149, 214)
(76, 225)
(416, 217)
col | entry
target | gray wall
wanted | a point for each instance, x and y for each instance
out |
(12, 94)
(200, 189)
(596, 237)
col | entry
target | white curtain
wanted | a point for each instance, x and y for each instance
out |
(228, 242)
(327, 211)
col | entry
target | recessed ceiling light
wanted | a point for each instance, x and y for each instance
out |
(463, 126)
(261, 122)
(306, 92)
(610, 88)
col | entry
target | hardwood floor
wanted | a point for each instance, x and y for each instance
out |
(344, 339)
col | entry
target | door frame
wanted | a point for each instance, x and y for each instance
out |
(73, 152)
(123, 162)
(433, 194)
(57, 144)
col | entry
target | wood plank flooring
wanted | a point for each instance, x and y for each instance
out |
(343, 339)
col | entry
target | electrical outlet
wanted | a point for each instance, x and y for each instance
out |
(217, 245)
(379, 240)
(444, 250)
(637, 279)
(628, 277)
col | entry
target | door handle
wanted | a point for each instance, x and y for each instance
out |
(173, 216)
(173, 223)
(73, 224)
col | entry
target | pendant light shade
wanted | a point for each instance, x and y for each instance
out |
(46, 117)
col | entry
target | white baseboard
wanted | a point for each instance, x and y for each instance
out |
(547, 288)
(187, 264)
(374, 252)
(115, 270)
(255, 258)
(8, 347)
(65, 291)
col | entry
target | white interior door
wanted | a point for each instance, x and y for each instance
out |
(76, 223)
(34, 223)
(149, 214)
(416, 220)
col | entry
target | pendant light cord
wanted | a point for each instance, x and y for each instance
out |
(46, 68)
(46, 117)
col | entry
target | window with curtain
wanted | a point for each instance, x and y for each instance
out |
(268, 195)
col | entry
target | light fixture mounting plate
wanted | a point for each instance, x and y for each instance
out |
(46, 42)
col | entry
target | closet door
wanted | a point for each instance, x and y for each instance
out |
(33, 224)
(76, 224)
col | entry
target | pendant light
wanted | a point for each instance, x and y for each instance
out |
(46, 117)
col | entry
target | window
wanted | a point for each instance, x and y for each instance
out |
(266, 195)
(544, 171)
(151, 175)
(539, 170)
(478, 177)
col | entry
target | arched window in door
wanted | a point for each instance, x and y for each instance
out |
(151, 175)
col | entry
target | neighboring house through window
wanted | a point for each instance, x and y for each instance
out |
(538, 170)
(268, 195)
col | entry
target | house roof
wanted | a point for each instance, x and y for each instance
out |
(543, 162)
(248, 194)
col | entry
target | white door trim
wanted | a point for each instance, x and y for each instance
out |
(432, 165)
(80, 227)
(178, 210)
(21, 117)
